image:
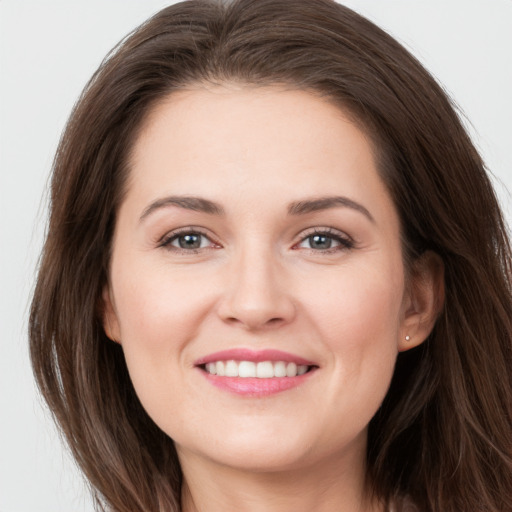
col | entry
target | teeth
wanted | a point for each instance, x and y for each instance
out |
(279, 369)
(302, 369)
(262, 370)
(246, 369)
(211, 368)
(220, 368)
(291, 370)
(231, 369)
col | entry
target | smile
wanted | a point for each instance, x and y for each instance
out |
(255, 373)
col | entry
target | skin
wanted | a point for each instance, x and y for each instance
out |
(258, 281)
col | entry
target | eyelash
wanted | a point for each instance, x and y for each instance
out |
(167, 240)
(344, 241)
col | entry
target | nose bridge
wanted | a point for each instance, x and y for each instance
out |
(257, 295)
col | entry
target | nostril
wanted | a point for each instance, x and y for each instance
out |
(256, 309)
(254, 320)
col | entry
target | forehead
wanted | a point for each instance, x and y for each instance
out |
(252, 141)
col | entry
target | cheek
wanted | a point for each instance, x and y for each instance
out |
(159, 312)
(156, 323)
(157, 304)
(358, 320)
(358, 305)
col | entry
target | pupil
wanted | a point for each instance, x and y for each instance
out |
(190, 241)
(320, 242)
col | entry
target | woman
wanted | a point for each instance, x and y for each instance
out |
(276, 276)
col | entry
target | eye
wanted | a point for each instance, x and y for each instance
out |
(187, 241)
(320, 242)
(325, 241)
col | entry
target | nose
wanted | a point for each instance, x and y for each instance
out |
(257, 295)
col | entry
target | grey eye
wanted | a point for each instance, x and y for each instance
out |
(190, 241)
(320, 241)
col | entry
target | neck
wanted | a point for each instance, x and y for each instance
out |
(327, 486)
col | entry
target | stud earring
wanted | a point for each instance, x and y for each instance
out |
(407, 338)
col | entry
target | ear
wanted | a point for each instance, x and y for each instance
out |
(109, 315)
(423, 300)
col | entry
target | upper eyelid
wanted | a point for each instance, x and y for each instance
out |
(171, 235)
(329, 231)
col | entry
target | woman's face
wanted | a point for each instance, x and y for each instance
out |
(257, 242)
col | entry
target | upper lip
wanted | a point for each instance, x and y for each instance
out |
(245, 354)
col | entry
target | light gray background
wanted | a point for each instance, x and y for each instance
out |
(48, 50)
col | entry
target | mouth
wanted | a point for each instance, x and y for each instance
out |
(255, 374)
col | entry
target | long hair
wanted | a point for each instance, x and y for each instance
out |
(443, 436)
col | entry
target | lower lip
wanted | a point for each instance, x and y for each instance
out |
(254, 387)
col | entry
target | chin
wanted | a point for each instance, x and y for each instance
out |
(261, 459)
(269, 449)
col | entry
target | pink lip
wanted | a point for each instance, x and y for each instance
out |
(254, 387)
(244, 354)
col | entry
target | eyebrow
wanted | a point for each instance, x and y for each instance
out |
(199, 204)
(324, 203)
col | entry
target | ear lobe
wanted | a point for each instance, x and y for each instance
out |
(109, 316)
(425, 300)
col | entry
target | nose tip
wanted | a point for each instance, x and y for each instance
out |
(257, 298)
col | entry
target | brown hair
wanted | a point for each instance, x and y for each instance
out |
(443, 435)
